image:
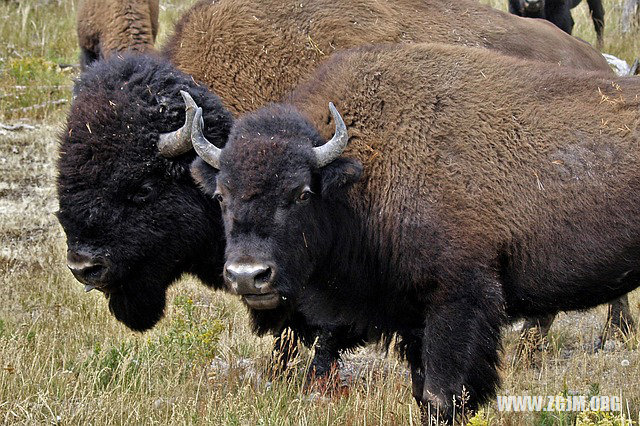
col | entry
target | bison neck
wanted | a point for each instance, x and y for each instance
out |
(357, 282)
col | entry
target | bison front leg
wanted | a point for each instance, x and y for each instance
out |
(533, 337)
(323, 372)
(620, 315)
(597, 15)
(619, 319)
(460, 347)
(285, 348)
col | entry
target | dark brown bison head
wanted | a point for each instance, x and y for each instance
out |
(134, 219)
(279, 186)
(532, 8)
(528, 8)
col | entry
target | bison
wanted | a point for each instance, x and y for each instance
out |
(559, 13)
(476, 188)
(268, 46)
(125, 203)
(108, 26)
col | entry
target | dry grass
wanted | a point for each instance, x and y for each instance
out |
(65, 360)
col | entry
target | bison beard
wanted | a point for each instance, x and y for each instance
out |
(139, 311)
(453, 210)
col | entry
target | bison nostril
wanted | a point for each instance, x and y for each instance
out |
(86, 268)
(94, 272)
(264, 277)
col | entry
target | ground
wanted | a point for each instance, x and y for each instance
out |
(65, 360)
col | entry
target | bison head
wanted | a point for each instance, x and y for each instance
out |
(531, 8)
(133, 217)
(279, 187)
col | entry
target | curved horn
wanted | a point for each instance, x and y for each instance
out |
(178, 142)
(334, 147)
(205, 149)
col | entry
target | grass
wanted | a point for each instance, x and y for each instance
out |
(65, 360)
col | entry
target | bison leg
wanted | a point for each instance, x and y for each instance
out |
(533, 336)
(412, 349)
(619, 315)
(515, 7)
(540, 325)
(323, 374)
(619, 318)
(560, 15)
(597, 15)
(326, 357)
(461, 345)
(285, 348)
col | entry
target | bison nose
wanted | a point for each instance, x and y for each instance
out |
(88, 269)
(249, 278)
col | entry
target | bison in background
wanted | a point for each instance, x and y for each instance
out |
(476, 188)
(108, 26)
(559, 13)
(124, 210)
(230, 41)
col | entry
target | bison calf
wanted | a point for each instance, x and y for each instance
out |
(474, 189)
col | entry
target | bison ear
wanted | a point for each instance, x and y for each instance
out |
(338, 175)
(204, 176)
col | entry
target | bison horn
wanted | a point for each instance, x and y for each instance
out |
(205, 149)
(178, 142)
(331, 150)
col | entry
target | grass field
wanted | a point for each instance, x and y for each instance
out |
(65, 360)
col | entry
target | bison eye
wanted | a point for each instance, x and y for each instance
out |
(304, 196)
(144, 194)
(218, 196)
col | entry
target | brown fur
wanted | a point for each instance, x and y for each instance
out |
(492, 187)
(108, 26)
(252, 52)
(575, 125)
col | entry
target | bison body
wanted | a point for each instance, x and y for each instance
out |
(108, 26)
(270, 46)
(474, 189)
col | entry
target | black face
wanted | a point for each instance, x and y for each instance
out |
(134, 219)
(276, 204)
(532, 8)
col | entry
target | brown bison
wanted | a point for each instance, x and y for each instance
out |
(476, 188)
(108, 26)
(253, 52)
(128, 211)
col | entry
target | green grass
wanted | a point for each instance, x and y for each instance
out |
(65, 360)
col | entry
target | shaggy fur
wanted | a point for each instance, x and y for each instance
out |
(118, 196)
(270, 46)
(121, 200)
(474, 189)
(249, 59)
(108, 26)
(559, 12)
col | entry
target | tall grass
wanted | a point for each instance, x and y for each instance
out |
(65, 360)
